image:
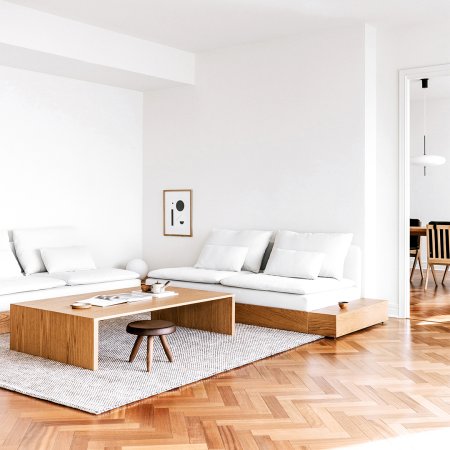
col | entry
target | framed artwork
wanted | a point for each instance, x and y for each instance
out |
(177, 212)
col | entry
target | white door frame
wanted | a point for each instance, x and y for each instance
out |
(405, 78)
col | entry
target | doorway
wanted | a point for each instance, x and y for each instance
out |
(424, 95)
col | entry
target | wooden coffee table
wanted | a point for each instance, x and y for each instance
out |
(53, 330)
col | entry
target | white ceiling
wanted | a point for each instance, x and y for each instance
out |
(198, 25)
(438, 87)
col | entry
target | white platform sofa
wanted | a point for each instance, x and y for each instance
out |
(261, 297)
(24, 276)
(267, 290)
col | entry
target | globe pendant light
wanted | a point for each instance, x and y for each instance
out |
(426, 160)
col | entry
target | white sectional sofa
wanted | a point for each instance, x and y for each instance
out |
(271, 285)
(272, 291)
(23, 273)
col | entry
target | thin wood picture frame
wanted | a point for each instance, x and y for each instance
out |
(177, 212)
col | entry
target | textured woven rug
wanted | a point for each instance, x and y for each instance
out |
(197, 355)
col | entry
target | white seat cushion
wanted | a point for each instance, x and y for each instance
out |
(190, 274)
(306, 302)
(62, 291)
(31, 283)
(91, 276)
(28, 243)
(262, 282)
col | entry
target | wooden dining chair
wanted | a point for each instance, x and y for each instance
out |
(438, 249)
(414, 248)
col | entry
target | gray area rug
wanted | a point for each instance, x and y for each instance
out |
(198, 355)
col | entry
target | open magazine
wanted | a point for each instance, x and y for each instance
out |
(127, 297)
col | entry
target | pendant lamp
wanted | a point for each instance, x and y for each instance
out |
(426, 160)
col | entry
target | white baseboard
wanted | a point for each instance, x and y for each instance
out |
(393, 311)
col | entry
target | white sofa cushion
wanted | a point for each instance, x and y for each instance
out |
(335, 246)
(256, 241)
(31, 283)
(263, 282)
(190, 274)
(91, 276)
(28, 243)
(294, 264)
(9, 267)
(65, 259)
(306, 302)
(62, 291)
(222, 257)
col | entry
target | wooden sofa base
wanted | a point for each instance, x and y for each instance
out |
(266, 316)
(329, 322)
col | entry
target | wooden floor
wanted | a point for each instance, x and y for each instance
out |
(432, 304)
(388, 381)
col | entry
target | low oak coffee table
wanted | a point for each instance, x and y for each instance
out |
(53, 330)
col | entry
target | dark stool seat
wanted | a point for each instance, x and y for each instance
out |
(151, 328)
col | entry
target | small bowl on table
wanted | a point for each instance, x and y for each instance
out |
(343, 305)
(79, 305)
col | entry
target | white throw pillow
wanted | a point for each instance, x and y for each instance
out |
(294, 264)
(67, 259)
(9, 267)
(335, 246)
(222, 257)
(256, 242)
(28, 243)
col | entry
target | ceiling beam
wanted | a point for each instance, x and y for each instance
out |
(33, 40)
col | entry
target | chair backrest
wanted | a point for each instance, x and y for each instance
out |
(414, 241)
(438, 242)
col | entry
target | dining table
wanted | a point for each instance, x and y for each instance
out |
(418, 231)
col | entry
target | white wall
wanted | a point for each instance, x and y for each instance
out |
(429, 193)
(271, 136)
(397, 49)
(71, 153)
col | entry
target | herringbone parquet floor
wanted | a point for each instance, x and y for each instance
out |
(391, 380)
(433, 304)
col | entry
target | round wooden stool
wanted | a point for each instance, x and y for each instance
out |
(150, 328)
